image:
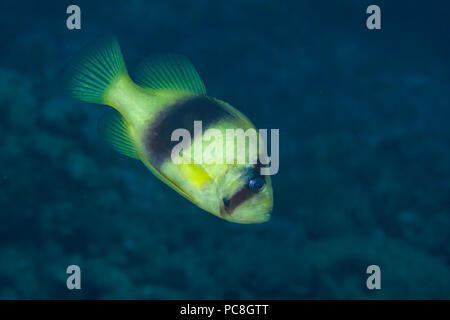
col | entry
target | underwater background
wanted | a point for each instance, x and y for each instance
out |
(364, 153)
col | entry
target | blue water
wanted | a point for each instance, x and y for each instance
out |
(364, 173)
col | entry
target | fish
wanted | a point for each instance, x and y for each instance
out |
(166, 93)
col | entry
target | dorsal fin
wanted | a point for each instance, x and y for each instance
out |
(170, 72)
(115, 130)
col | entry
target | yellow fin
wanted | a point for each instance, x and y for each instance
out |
(170, 72)
(115, 130)
(161, 176)
(195, 174)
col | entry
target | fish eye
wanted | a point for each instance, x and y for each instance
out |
(256, 184)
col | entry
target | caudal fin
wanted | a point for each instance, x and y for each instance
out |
(96, 70)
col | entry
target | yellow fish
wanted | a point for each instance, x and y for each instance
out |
(168, 94)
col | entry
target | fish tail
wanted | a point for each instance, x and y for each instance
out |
(95, 72)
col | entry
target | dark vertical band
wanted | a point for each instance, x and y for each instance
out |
(180, 115)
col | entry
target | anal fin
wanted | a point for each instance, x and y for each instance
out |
(116, 131)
